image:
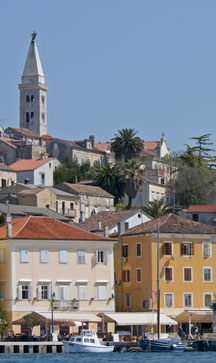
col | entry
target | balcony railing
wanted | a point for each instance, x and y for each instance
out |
(66, 304)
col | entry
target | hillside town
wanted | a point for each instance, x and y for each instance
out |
(89, 230)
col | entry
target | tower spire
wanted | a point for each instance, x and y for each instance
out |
(33, 113)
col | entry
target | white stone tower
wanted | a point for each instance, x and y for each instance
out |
(33, 93)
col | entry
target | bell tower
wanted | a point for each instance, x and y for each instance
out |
(33, 93)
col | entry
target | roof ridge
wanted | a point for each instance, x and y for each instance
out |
(28, 218)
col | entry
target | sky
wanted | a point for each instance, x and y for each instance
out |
(149, 65)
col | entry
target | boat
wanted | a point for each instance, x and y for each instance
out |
(86, 342)
(165, 343)
(160, 342)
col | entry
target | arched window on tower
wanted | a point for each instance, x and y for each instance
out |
(27, 117)
(27, 98)
(32, 98)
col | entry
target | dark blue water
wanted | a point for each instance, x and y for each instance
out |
(198, 357)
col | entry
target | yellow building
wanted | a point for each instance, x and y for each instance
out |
(39, 257)
(187, 266)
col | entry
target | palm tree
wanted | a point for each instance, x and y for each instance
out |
(109, 177)
(158, 208)
(126, 144)
(134, 178)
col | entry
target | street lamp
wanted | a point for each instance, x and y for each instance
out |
(52, 299)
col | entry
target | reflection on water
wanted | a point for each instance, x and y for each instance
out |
(207, 357)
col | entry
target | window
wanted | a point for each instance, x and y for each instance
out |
(126, 275)
(167, 248)
(187, 300)
(43, 100)
(43, 117)
(44, 255)
(32, 98)
(27, 98)
(63, 256)
(195, 217)
(207, 274)
(24, 292)
(82, 292)
(63, 292)
(27, 117)
(42, 178)
(187, 249)
(168, 300)
(57, 206)
(153, 196)
(206, 249)
(125, 251)
(71, 206)
(32, 115)
(139, 275)
(2, 292)
(139, 249)
(207, 300)
(2, 255)
(168, 273)
(128, 301)
(162, 181)
(101, 256)
(63, 207)
(44, 292)
(187, 274)
(81, 256)
(101, 292)
(24, 255)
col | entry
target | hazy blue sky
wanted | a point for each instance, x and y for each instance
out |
(145, 64)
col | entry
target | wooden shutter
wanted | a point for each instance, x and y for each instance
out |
(124, 276)
(19, 292)
(105, 257)
(192, 248)
(164, 248)
(182, 249)
(39, 292)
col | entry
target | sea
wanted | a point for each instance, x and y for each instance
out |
(198, 357)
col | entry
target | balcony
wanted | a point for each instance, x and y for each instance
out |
(66, 305)
(68, 212)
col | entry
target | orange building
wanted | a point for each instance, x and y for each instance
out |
(187, 266)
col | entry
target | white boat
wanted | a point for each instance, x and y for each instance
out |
(86, 342)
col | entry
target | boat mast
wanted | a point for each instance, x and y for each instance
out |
(158, 285)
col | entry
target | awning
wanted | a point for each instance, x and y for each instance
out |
(196, 316)
(62, 318)
(138, 318)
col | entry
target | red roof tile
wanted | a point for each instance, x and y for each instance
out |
(151, 145)
(102, 146)
(172, 223)
(207, 208)
(45, 228)
(84, 189)
(29, 164)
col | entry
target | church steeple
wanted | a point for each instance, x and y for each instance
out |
(33, 89)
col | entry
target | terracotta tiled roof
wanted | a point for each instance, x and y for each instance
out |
(85, 189)
(5, 167)
(207, 208)
(8, 141)
(172, 223)
(23, 131)
(109, 219)
(29, 164)
(151, 145)
(45, 228)
(102, 146)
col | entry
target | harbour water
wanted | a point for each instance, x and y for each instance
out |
(206, 357)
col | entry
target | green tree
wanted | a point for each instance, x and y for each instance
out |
(4, 324)
(194, 186)
(109, 177)
(126, 145)
(71, 172)
(32, 320)
(134, 177)
(203, 142)
(189, 157)
(158, 208)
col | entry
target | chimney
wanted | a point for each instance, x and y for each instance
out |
(106, 231)
(8, 223)
(121, 228)
(98, 225)
(92, 139)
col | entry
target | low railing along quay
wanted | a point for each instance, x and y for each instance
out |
(31, 347)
